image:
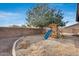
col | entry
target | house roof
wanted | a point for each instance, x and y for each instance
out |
(77, 24)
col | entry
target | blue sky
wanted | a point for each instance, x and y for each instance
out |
(15, 13)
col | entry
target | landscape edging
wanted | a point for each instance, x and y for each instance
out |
(14, 46)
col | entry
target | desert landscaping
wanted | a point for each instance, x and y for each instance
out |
(31, 29)
(9, 35)
(6, 46)
(56, 47)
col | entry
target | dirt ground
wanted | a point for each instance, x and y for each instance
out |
(7, 43)
(71, 39)
(6, 46)
(69, 46)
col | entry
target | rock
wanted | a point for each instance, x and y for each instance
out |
(24, 44)
(48, 48)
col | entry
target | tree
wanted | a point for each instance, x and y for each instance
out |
(23, 26)
(15, 26)
(41, 16)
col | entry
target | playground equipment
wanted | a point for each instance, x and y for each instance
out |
(47, 34)
(54, 29)
(52, 32)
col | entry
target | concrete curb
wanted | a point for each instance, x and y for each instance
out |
(14, 45)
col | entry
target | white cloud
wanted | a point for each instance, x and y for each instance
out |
(8, 18)
(8, 14)
(70, 17)
(8, 25)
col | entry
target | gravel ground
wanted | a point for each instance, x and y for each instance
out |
(69, 46)
(6, 46)
(71, 39)
(7, 43)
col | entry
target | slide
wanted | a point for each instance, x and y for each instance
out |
(47, 34)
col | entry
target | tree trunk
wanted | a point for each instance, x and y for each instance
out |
(42, 30)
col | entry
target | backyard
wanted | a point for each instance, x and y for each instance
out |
(36, 46)
(6, 46)
(30, 29)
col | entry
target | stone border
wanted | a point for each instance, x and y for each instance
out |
(14, 46)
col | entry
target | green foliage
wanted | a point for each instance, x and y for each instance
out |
(23, 26)
(15, 26)
(41, 16)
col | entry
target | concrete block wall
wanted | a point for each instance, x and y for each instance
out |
(12, 32)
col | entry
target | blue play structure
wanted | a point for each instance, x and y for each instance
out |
(47, 34)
